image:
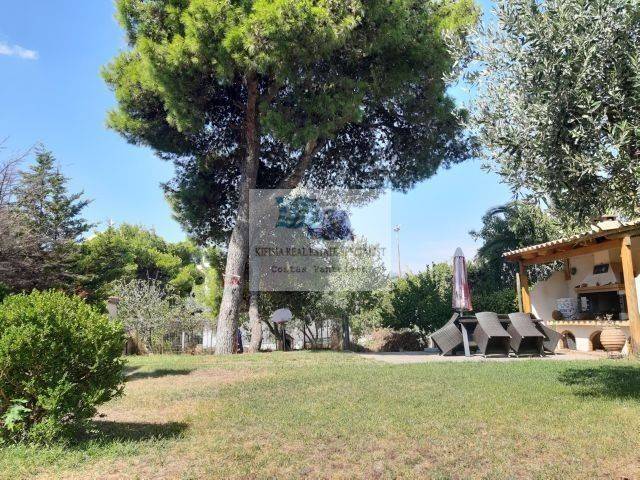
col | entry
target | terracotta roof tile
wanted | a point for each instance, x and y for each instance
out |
(606, 227)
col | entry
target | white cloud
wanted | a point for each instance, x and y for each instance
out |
(17, 51)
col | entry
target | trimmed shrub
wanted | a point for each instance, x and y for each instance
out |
(59, 359)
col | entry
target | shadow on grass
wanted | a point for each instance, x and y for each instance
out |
(612, 381)
(136, 374)
(108, 431)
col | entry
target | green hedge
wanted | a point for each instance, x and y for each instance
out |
(500, 301)
(421, 301)
(59, 359)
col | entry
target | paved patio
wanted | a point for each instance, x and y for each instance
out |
(429, 356)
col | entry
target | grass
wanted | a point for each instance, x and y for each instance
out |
(331, 415)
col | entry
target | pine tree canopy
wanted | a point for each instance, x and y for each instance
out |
(359, 84)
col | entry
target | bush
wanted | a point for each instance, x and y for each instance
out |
(4, 291)
(388, 340)
(59, 359)
(499, 301)
(420, 301)
(423, 300)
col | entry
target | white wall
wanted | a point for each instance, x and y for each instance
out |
(582, 334)
(544, 295)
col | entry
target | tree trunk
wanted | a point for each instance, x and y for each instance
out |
(256, 324)
(238, 250)
(346, 340)
(313, 339)
(278, 335)
(335, 336)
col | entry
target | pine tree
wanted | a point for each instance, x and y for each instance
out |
(275, 94)
(18, 246)
(51, 215)
(46, 205)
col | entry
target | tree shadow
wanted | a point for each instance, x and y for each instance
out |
(134, 373)
(611, 381)
(108, 431)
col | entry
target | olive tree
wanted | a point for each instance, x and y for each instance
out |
(354, 287)
(149, 311)
(558, 102)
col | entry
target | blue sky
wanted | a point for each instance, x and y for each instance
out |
(51, 92)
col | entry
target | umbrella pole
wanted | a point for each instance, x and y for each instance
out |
(465, 337)
(461, 294)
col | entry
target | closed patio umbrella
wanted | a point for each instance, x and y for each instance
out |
(461, 300)
(461, 294)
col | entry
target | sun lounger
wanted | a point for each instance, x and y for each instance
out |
(490, 335)
(448, 338)
(551, 337)
(525, 336)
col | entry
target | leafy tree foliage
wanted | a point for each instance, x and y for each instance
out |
(131, 252)
(509, 227)
(423, 301)
(351, 294)
(500, 301)
(4, 291)
(558, 106)
(353, 287)
(209, 292)
(272, 93)
(305, 308)
(144, 308)
(46, 207)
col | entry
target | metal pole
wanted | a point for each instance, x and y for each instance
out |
(284, 339)
(397, 230)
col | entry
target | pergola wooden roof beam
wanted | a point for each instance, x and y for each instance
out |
(595, 239)
(553, 255)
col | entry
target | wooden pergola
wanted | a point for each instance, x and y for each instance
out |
(605, 235)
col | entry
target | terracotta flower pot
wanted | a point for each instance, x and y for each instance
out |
(613, 338)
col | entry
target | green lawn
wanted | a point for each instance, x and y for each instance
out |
(331, 415)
